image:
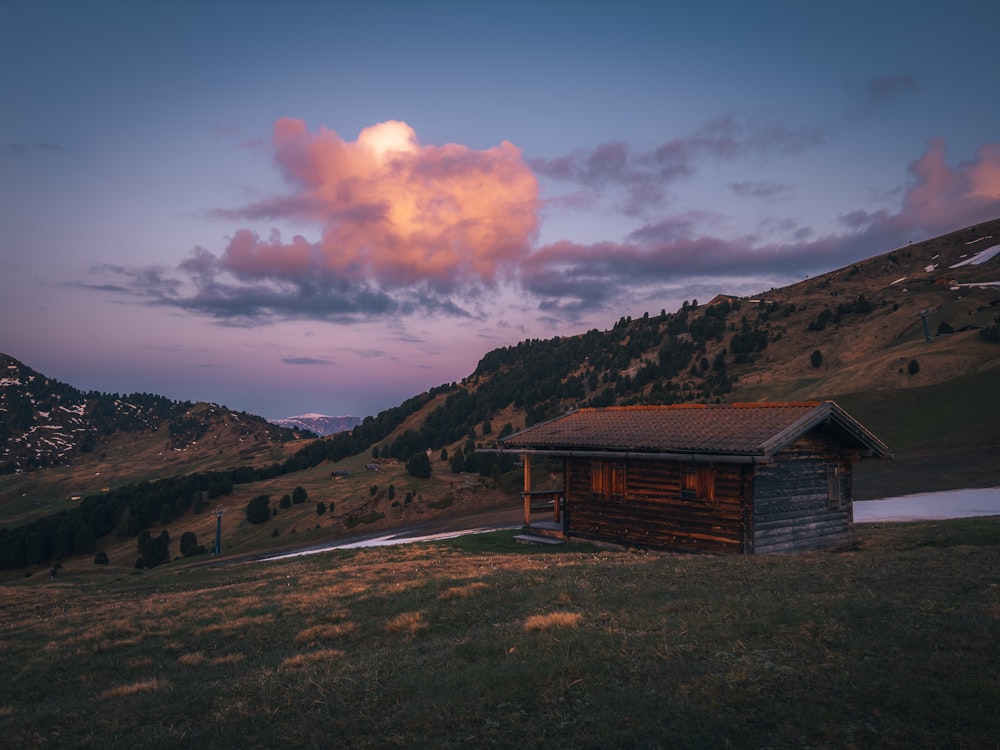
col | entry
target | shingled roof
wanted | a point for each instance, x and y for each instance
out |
(711, 431)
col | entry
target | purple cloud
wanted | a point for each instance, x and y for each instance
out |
(765, 189)
(881, 90)
(646, 173)
(574, 277)
(305, 361)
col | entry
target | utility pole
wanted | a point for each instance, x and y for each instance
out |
(923, 317)
(219, 510)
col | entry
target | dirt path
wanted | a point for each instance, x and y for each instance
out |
(436, 528)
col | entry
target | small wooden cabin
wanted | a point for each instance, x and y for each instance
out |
(750, 478)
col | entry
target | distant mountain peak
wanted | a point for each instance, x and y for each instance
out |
(321, 424)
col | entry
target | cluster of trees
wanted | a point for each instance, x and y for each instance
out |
(153, 550)
(108, 413)
(860, 306)
(186, 429)
(419, 465)
(373, 430)
(259, 509)
(747, 342)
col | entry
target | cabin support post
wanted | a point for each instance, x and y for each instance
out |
(527, 489)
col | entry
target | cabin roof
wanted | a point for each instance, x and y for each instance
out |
(734, 431)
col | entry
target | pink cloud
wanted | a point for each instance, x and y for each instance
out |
(248, 256)
(984, 174)
(392, 210)
(943, 197)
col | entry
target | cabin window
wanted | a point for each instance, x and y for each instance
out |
(697, 483)
(834, 492)
(607, 480)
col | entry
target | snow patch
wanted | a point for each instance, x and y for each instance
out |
(930, 506)
(979, 258)
(980, 283)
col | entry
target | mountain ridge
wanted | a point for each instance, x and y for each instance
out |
(321, 425)
(59, 441)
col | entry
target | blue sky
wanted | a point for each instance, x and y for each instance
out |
(328, 207)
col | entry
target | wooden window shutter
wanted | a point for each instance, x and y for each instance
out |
(698, 483)
(607, 480)
(834, 494)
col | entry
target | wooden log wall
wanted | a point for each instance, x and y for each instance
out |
(653, 514)
(791, 509)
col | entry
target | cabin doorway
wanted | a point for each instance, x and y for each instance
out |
(544, 510)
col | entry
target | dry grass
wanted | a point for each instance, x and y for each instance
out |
(239, 624)
(484, 642)
(552, 621)
(309, 658)
(226, 659)
(330, 632)
(466, 591)
(143, 686)
(407, 623)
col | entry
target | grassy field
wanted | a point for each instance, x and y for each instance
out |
(481, 642)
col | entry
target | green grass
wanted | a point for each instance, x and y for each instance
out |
(480, 642)
(910, 416)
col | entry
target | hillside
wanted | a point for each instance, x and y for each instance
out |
(57, 442)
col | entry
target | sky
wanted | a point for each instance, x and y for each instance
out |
(330, 207)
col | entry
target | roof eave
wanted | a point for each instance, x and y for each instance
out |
(630, 455)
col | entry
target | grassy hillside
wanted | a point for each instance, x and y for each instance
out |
(482, 642)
